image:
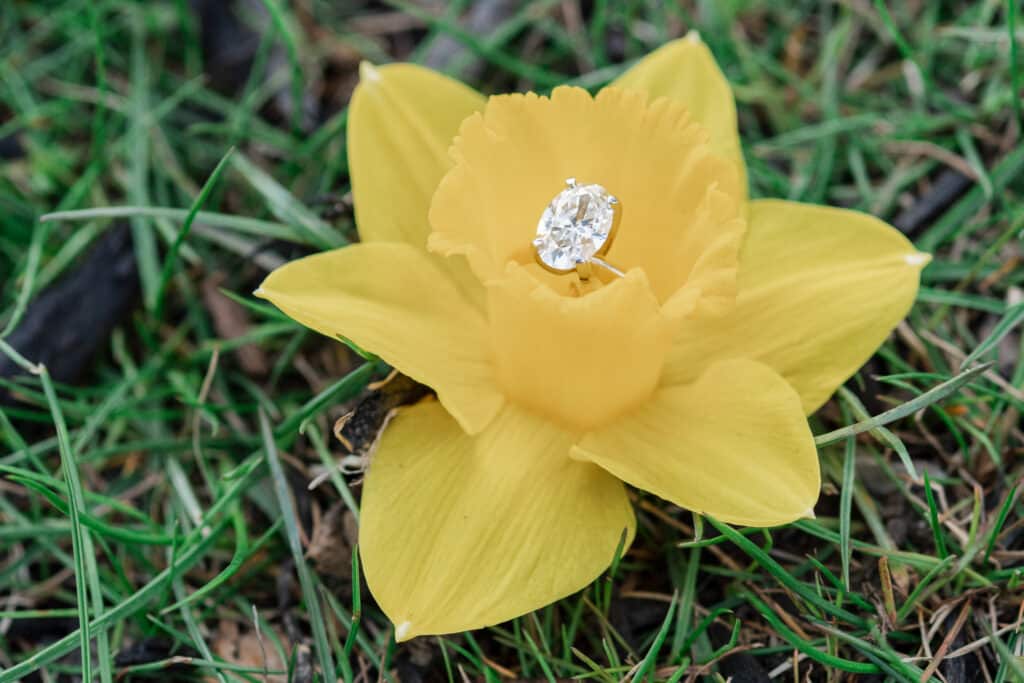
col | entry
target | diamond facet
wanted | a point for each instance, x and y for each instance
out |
(575, 226)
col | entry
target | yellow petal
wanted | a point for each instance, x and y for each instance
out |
(402, 119)
(735, 445)
(513, 159)
(820, 289)
(461, 532)
(706, 253)
(685, 71)
(390, 299)
(579, 361)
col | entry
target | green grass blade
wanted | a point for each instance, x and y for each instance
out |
(781, 575)
(286, 207)
(805, 647)
(933, 519)
(846, 507)
(997, 527)
(1013, 317)
(933, 395)
(647, 664)
(85, 562)
(172, 253)
(291, 528)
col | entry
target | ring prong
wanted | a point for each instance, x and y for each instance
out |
(584, 269)
(570, 182)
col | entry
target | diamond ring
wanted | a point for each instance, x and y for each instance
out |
(577, 229)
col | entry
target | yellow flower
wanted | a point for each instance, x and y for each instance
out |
(689, 377)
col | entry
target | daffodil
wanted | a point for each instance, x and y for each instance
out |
(686, 367)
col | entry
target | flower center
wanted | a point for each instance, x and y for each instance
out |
(577, 226)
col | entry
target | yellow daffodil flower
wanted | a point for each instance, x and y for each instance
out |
(687, 369)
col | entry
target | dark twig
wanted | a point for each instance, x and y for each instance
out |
(947, 188)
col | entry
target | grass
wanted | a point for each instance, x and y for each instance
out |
(154, 514)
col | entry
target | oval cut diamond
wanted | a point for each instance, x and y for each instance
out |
(575, 226)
